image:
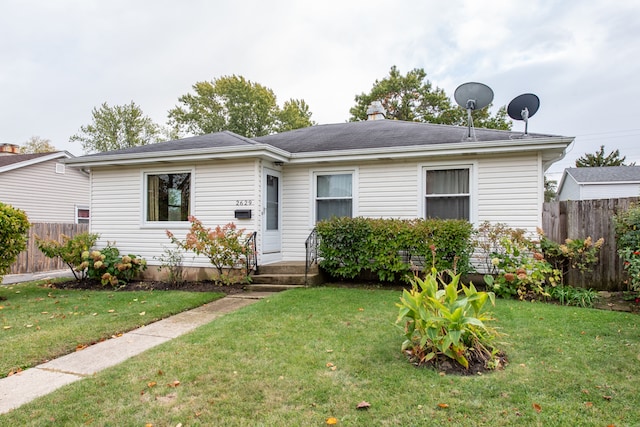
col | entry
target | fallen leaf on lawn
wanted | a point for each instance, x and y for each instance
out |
(44, 312)
(81, 347)
(1, 307)
(111, 311)
(94, 314)
(160, 372)
(28, 326)
(585, 391)
(176, 383)
(443, 405)
(6, 327)
(361, 309)
(331, 421)
(588, 404)
(537, 407)
(14, 372)
(363, 405)
(607, 397)
(331, 351)
(148, 425)
(152, 384)
(329, 365)
(142, 313)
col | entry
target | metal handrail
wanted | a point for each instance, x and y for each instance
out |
(311, 249)
(251, 253)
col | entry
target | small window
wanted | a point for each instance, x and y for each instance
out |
(60, 168)
(82, 215)
(168, 196)
(334, 195)
(447, 194)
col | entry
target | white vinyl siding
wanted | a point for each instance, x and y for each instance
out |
(117, 208)
(44, 195)
(609, 191)
(510, 191)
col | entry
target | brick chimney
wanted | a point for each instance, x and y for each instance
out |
(376, 111)
(8, 149)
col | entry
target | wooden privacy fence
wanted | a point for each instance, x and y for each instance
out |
(34, 261)
(580, 219)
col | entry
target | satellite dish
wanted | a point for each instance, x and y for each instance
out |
(473, 96)
(522, 107)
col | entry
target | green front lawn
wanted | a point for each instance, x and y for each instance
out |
(38, 323)
(301, 357)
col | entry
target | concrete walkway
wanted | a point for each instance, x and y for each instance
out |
(27, 385)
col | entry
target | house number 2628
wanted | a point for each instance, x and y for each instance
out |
(244, 202)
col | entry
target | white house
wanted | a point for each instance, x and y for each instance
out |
(607, 182)
(42, 186)
(281, 185)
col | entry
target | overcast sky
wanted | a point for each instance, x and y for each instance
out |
(60, 59)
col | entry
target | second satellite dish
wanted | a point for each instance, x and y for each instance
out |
(473, 96)
(522, 107)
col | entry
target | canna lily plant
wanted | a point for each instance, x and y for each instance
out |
(442, 318)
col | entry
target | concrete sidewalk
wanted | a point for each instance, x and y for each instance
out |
(27, 385)
(28, 277)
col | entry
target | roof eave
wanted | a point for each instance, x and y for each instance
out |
(52, 156)
(555, 145)
(264, 151)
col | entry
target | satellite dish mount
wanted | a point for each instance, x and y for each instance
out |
(523, 107)
(473, 96)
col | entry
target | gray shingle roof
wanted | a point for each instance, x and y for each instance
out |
(11, 159)
(333, 137)
(605, 174)
(377, 134)
(217, 139)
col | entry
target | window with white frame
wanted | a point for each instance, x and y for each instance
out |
(82, 214)
(448, 194)
(333, 195)
(168, 196)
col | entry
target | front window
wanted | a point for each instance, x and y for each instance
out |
(168, 196)
(447, 194)
(334, 195)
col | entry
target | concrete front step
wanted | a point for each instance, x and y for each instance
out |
(287, 267)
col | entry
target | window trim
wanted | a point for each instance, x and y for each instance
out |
(473, 185)
(314, 189)
(144, 223)
(79, 208)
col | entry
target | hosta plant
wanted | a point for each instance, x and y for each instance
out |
(443, 319)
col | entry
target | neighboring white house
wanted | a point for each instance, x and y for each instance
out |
(281, 185)
(43, 186)
(607, 182)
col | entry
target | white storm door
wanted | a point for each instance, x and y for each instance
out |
(272, 221)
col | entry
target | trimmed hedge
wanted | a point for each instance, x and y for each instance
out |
(352, 246)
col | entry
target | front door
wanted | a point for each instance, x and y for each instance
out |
(272, 221)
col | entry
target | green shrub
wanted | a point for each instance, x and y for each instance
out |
(224, 246)
(171, 261)
(349, 246)
(577, 254)
(523, 271)
(105, 265)
(488, 239)
(450, 321)
(108, 266)
(627, 226)
(14, 226)
(70, 250)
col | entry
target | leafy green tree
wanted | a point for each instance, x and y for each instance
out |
(35, 144)
(236, 104)
(413, 98)
(14, 226)
(599, 158)
(550, 188)
(117, 127)
(294, 114)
